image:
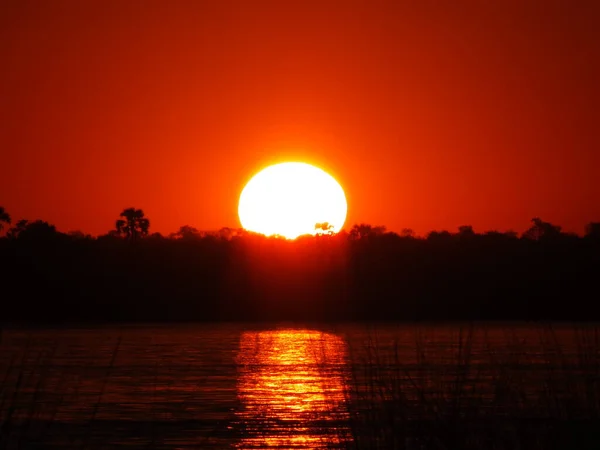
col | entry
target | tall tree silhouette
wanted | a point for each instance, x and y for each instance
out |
(4, 218)
(133, 225)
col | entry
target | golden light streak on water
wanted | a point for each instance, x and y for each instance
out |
(291, 387)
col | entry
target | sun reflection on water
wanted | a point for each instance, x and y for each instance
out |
(291, 388)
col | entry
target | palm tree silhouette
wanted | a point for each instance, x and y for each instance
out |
(134, 225)
(4, 218)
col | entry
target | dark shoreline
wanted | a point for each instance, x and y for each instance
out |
(59, 279)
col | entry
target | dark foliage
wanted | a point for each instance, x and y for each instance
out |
(133, 225)
(4, 218)
(366, 274)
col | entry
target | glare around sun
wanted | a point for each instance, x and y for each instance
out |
(289, 199)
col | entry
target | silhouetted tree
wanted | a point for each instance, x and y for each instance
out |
(542, 230)
(592, 230)
(156, 237)
(34, 231)
(466, 231)
(502, 235)
(186, 232)
(4, 218)
(227, 233)
(438, 235)
(240, 232)
(363, 230)
(112, 238)
(372, 274)
(79, 235)
(324, 228)
(134, 226)
(407, 233)
(19, 227)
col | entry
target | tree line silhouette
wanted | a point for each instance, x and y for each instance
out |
(366, 273)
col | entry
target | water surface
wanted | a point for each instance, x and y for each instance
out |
(242, 386)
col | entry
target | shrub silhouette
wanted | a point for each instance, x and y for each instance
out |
(542, 230)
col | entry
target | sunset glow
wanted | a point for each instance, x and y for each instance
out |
(299, 224)
(289, 199)
(289, 377)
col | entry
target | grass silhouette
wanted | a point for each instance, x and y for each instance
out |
(424, 387)
(456, 398)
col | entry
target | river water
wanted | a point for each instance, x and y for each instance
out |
(258, 386)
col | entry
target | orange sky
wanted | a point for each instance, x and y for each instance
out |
(430, 116)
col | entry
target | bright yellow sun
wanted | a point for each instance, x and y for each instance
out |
(289, 199)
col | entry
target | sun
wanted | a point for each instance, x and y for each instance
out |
(289, 199)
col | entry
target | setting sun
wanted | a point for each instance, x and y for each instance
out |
(289, 199)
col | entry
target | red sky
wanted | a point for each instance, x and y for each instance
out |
(430, 114)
